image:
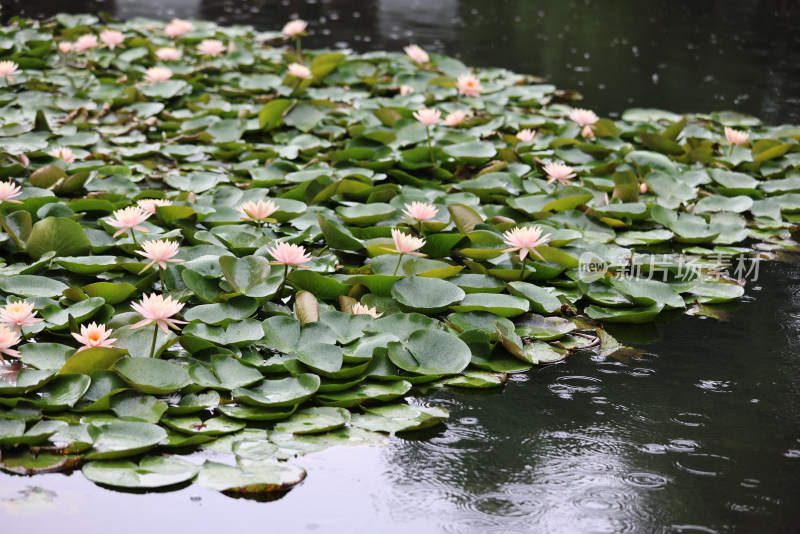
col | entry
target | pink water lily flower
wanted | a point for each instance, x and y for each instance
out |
(159, 252)
(157, 74)
(257, 211)
(525, 240)
(177, 27)
(65, 47)
(168, 53)
(150, 204)
(420, 211)
(8, 338)
(18, 314)
(361, 309)
(558, 172)
(583, 117)
(9, 190)
(526, 135)
(211, 47)
(736, 137)
(112, 38)
(85, 42)
(156, 309)
(63, 153)
(405, 90)
(129, 218)
(407, 244)
(455, 118)
(417, 54)
(300, 71)
(289, 254)
(93, 336)
(427, 116)
(293, 28)
(468, 85)
(8, 69)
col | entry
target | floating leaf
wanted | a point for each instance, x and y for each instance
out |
(151, 472)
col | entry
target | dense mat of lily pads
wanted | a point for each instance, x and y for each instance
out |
(216, 239)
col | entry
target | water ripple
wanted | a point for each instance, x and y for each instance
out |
(703, 464)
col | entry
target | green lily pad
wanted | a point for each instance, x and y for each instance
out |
(151, 472)
(280, 392)
(314, 421)
(152, 376)
(399, 418)
(501, 305)
(266, 477)
(426, 295)
(430, 352)
(216, 426)
(123, 439)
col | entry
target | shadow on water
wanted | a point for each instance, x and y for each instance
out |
(682, 55)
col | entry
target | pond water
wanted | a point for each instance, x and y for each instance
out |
(681, 55)
(702, 434)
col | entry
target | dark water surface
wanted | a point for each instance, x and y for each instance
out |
(702, 434)
(680, 55)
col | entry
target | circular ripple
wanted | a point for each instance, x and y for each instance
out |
(603, 500)
(683, 445)
(703, 464)
(645, 480)
(690, 419)
(566, 386)
(654, 448)
(691, 528)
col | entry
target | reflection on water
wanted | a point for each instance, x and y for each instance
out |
(682, 55)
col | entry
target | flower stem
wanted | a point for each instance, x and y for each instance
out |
(397, 266)
(283, 283)
(133, 236)
(430, 144)
(155, 336)
(522, 270)
(161, 276)
(299, 51)
(419, 229)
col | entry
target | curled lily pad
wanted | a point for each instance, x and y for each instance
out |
(536, 352)
(545, 328)
(637, 315)
(477, 380)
